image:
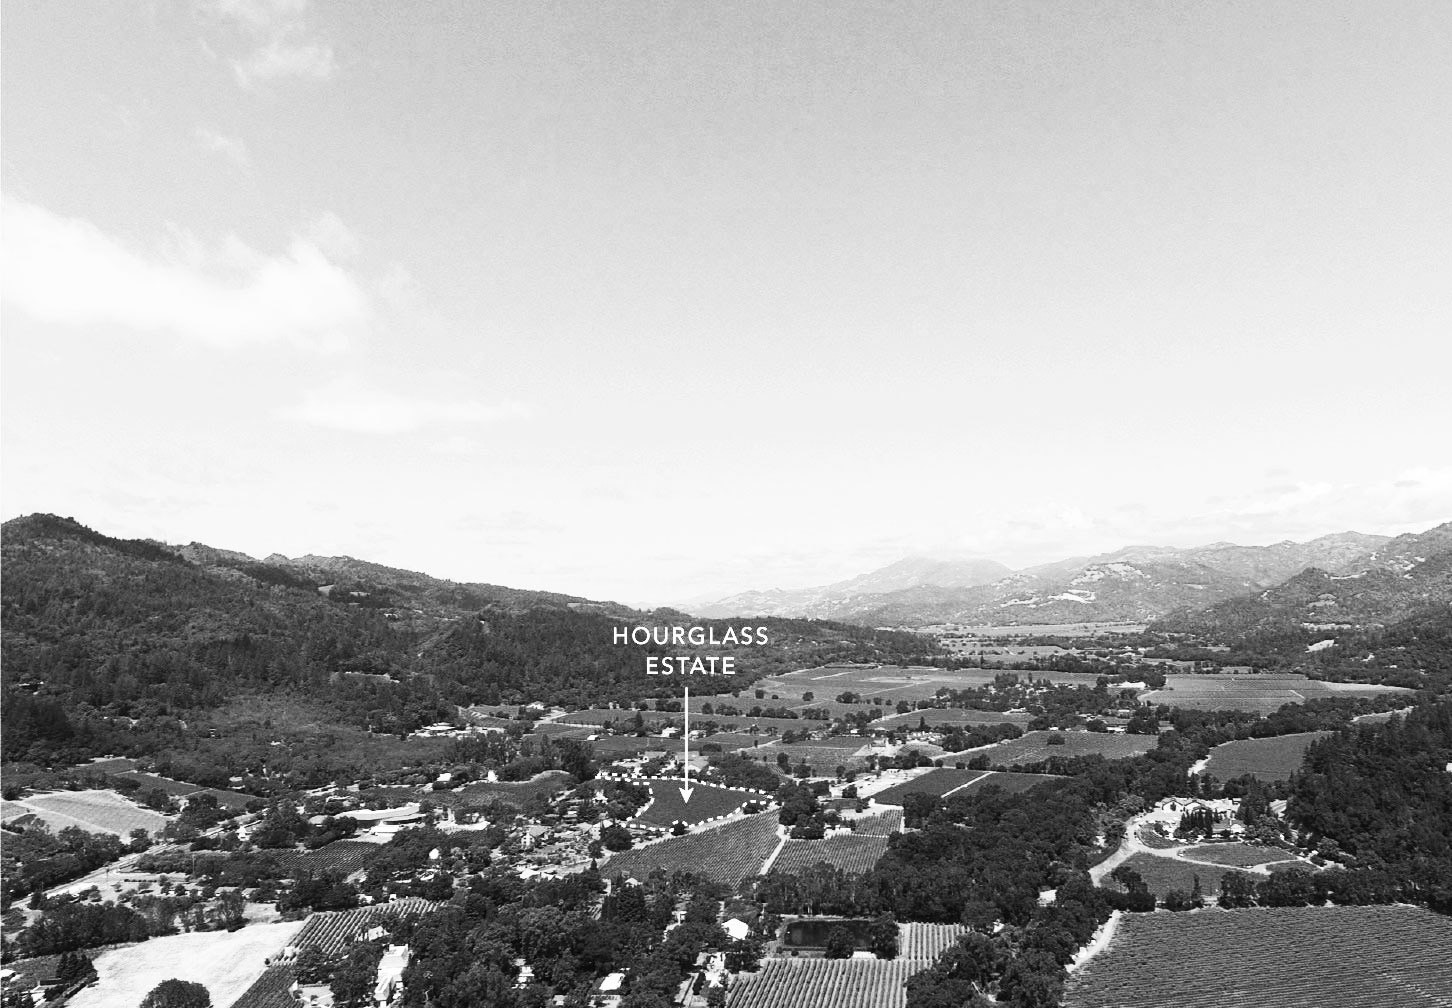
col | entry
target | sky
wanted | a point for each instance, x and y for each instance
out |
(660, 301)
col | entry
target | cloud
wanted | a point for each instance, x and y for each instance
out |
(277, 31)
(350, 404)
(66, 270)
(231, 148)
(335, 238)
(279, 58)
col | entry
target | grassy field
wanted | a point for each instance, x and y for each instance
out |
(225, 962)
(1292, 957)
(726, 854)
(93, 811)
(516, 793)
(1267, 759)
(1256, 692)
(855, 853)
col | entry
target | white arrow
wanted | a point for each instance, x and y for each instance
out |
(686, 788)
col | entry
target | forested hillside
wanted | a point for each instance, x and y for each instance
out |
(106, 638)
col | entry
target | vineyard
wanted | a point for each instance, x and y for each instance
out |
(1033, 747)
(927, 941)
(725, 854)
(823, 759)
(879, 823)
(1267, 759)
(1293, 957)
(618, 746)
(950, 718)
(273, 989)
(333, 932)
(93, 811)
(1013, 783)
(707, 802)
(853, 853)
(945, 782)
(1162, 874)
(1240, 855)
(826, 983)
(1258, 693)
(732, 741)
(342, 857)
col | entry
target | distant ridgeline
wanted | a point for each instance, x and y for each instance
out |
(103, 635)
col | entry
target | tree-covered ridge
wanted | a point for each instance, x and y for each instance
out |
(1383, 793)
(104, 637)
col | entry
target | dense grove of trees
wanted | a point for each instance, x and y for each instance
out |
(465, 955)
(38, 859)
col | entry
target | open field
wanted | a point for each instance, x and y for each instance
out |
(1255, 692)
(516, 793)
(726, 854)
(93, 811)
(1033, 747)
(707, 802)
(826, 983)
(225, 962)
(1267, 759)
(1293, 957)
(855, 853)
(149, 782)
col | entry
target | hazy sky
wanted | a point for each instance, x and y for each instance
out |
(651, 301)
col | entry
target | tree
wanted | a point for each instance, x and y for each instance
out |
(177, 994)
(840, 944)
(883, 935)
(616, 838)
(75, 968)
(353, 981)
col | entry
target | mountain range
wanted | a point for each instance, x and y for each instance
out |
(1137, 583)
